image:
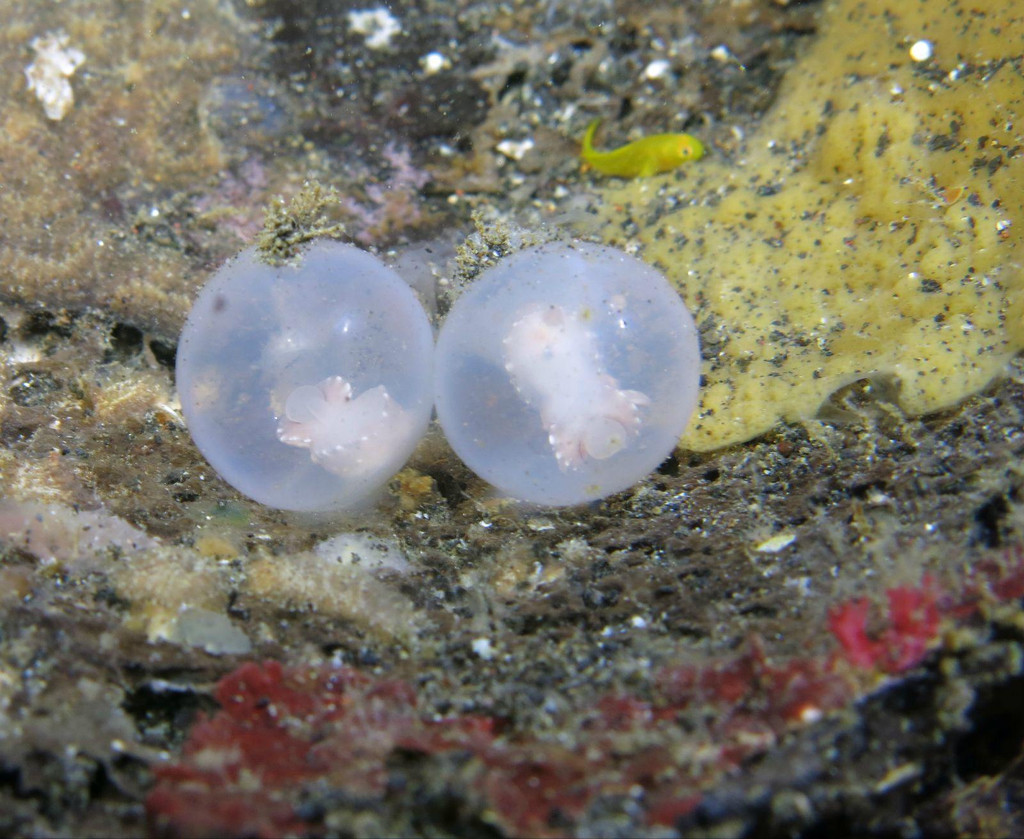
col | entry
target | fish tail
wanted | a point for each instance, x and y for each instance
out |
(588, 139)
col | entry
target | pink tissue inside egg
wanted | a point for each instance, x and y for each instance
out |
(556, 367)
(347, 436)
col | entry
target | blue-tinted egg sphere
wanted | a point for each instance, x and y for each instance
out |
(307, 385)
(567, 372)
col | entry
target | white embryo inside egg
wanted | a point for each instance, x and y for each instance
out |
(345, 435)
(556, 366)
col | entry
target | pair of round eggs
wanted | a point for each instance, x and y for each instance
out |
(563, 374)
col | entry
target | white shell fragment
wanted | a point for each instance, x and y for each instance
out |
(47, 76)
(378, 26)
(775, 544)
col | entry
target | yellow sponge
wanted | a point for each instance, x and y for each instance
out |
(870, 228)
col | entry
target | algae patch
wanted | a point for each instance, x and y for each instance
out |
(872, 229)
(85, 190)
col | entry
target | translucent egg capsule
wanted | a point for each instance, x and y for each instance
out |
(306, 385)
(567, 372)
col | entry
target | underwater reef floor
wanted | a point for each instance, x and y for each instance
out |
(817, 628)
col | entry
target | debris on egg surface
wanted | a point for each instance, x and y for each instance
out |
(566, 372)
(306, 385)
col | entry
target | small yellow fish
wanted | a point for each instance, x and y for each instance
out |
(643, 158)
